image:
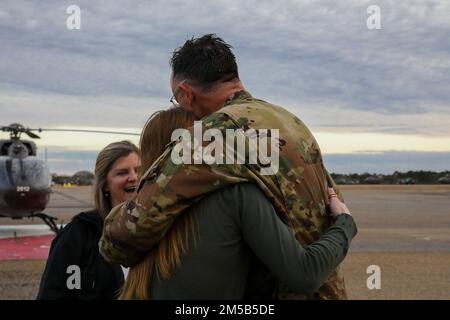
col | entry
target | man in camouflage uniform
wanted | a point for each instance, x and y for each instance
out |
(205, 81)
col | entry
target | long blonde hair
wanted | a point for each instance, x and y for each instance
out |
(167, 254)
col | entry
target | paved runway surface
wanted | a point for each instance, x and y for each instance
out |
(397, 218)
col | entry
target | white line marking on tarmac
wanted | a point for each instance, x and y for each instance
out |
(12, 231)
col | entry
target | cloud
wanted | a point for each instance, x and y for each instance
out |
(316, 58)
(38, 109)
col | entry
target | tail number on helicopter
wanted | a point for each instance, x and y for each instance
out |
(23, 189)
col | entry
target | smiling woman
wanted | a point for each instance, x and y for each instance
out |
(115, 170)
(121, 180)
(75, 269)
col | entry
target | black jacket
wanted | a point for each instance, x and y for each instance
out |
(75, 269)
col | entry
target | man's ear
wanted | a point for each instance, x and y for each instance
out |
(186, 96)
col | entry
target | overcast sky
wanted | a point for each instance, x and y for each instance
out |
(359, 90)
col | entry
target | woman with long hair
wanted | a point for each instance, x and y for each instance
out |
(155, 136)
(75, 269)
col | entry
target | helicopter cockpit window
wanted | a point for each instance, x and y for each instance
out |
(37, 172)
(30, 173)
(31, 148)
(18, 150)
(3, 174)
(4, 147)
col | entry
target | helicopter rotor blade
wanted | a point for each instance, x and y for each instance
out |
(5, 128)
(89, 131)
(31, 134)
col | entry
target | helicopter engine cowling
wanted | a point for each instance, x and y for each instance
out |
(25, 186)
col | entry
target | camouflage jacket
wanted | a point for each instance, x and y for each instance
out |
(297, 190)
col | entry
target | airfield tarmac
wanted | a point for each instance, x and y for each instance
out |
(405, 230)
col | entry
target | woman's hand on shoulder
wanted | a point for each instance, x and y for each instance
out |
(337, 207)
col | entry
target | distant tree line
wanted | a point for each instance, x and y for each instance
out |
(80, 178)
(410, 177)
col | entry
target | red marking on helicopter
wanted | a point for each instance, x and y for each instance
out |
(36, 200)
(25, 248)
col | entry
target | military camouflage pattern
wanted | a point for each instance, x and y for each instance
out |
(298, 191)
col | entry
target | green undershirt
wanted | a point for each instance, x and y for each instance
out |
(237, 228)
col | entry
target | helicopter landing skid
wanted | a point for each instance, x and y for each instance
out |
(50, 221)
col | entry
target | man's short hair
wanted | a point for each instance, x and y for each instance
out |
(204, 61)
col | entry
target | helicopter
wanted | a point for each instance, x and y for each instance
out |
(25, 179)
